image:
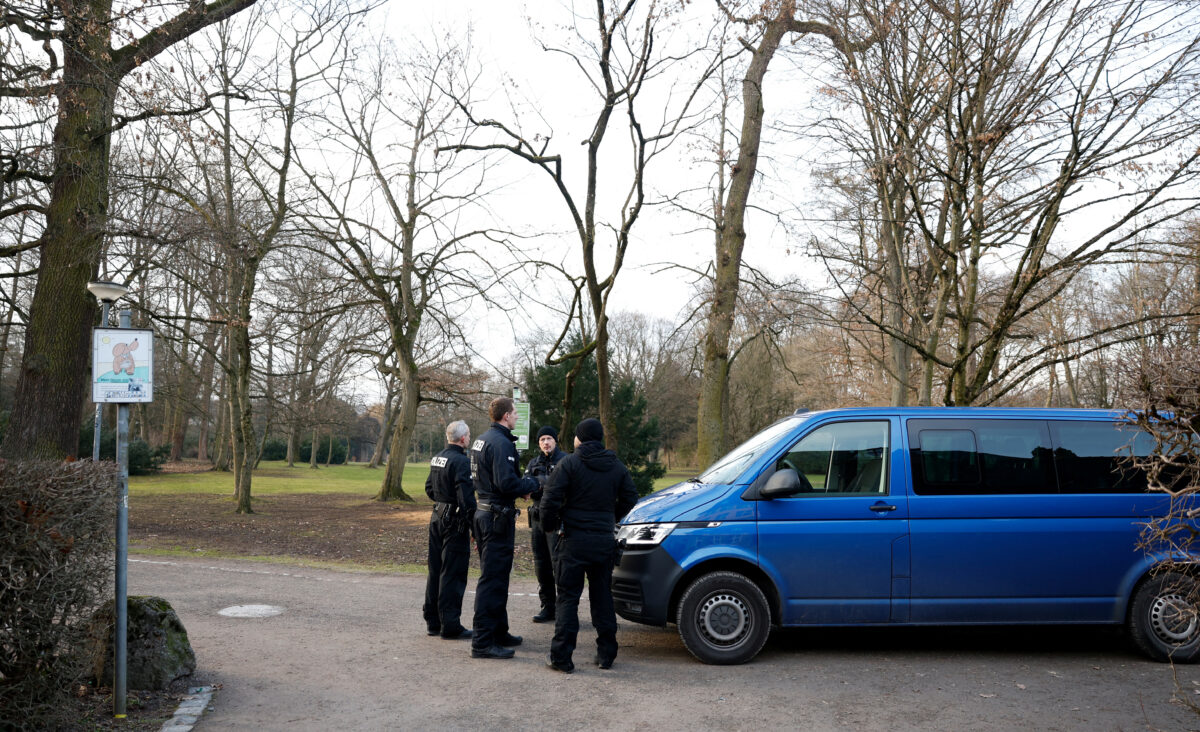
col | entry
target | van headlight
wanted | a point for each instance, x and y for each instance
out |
(643, 534)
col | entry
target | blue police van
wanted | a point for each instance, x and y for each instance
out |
(909, 516)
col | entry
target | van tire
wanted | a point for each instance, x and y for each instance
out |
(1164, 619)
(723, 618)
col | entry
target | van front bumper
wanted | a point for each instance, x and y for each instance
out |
(642, 583)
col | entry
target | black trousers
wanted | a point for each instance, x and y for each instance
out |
(495, 534)
(583, 556)
(449, 555)
(543, 561)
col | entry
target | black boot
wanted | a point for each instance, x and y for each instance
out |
(565, 666)
(545, 616)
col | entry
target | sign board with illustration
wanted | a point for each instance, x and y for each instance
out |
(122, 365)
(521, 429)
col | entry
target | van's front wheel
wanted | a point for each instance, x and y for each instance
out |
(723, 618)
(1164, 620)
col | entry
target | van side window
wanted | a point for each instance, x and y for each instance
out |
(949, 457)
(846, 458)
(1093, 457)
(980, 457)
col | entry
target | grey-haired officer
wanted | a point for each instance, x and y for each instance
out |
(449, 487)
(543, 542)
(498, 483)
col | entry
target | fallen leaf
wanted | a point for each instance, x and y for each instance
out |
(1021, 687)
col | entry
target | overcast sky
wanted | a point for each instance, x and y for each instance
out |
(504, 44)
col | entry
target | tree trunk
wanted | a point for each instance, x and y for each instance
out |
(207, 367)
(262, 443)
(54, 372)
(604, 384)
(406, 423)
(221, 456)
(727, 263)
(241, 410)
(291, 447)
(385, 434)
(179, 424)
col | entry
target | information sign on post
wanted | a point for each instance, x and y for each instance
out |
(521, 430)
(122, 365)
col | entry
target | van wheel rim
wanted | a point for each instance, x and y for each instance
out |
(1173, 618)
(725, 619)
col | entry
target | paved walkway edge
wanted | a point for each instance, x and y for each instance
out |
(193, 705)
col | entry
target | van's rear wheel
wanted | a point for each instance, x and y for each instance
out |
(1164, 618)
(724, 618)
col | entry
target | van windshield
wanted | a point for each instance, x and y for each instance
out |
(728, 468)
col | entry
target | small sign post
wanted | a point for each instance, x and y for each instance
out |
(122, 372)
(521, 430)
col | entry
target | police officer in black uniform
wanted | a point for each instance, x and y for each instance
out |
(543, 542)
(498, 483)
(449, 486)
(587, 494)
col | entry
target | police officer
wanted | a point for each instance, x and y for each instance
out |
(498, 482)
(587, 494)
(543, 542)
(449, 487)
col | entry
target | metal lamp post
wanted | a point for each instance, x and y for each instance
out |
(107, 293)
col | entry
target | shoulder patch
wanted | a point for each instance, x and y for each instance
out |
(477, 445)
(438, 462)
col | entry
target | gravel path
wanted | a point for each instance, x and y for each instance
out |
(349, 651)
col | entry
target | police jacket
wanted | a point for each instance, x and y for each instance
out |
(494, 470)
(589, 491)
(449, 478)
(541, 466)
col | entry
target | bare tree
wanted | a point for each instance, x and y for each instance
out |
(769, 25)
(393, 216)
(979, 132)
(615, 51)
(239, 185)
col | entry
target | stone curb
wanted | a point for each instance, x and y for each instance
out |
(193, 705)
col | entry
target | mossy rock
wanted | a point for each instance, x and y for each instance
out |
(157, 646)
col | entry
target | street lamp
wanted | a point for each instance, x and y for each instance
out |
(107, 293)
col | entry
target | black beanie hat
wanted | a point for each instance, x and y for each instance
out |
(548, 430)
(590, 430)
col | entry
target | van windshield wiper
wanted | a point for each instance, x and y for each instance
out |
(694, 479)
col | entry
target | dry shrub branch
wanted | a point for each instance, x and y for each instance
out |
(56, 540)
(1168, 383)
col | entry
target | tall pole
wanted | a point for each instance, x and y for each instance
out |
(122, 552)
(104, 306)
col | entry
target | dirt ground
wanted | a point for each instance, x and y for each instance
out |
(91, 709)
(342, 528)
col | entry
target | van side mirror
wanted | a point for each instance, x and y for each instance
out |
(784, 483)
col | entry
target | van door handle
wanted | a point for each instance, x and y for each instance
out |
(880, 507)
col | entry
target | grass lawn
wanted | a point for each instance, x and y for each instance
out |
(322, 517)
(275, 477)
